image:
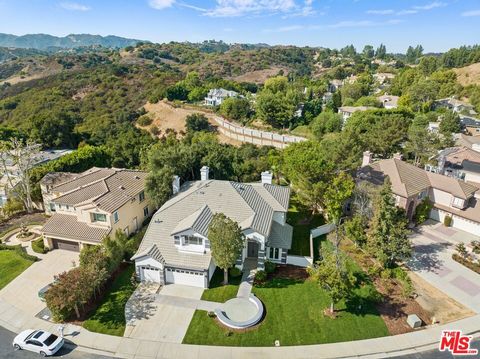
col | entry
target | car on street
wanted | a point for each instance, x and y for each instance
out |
(38, 341)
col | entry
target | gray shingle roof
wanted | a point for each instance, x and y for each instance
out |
(280, 236)
(194, 206)
(67, 226)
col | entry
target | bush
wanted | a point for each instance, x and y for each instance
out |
(475, 246)
(270, 267)
(144, 120)
(235, 272)
(467, 263)
(261, 276)
(38, 246)
(196, 122)
(422, 212)
(447, 221)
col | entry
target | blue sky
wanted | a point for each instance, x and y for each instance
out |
(437, 24)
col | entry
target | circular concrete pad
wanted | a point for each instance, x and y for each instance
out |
(239, 309)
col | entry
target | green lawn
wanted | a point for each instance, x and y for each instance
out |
(11, 265)
(221, 293)
(294, 315)
(302, 221)
(109, 317)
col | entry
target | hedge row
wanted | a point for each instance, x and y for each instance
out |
(38, 246)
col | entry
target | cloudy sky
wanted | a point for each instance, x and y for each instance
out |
(437, 25)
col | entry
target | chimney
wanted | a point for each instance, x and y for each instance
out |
(398, 156)
(476, 147)
(267, 177)
(204, 171)
(176, 184)
(367, 158)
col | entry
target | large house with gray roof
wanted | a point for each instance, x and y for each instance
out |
(85, 207)
(176, 249)
(451, 197)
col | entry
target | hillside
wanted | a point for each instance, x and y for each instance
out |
(469, 75)
(47, 42)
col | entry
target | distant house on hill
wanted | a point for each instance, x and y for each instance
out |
(348, 111)
(454, 105)
(215, 97)
(335, 85)
(471, 125)
(389, 102)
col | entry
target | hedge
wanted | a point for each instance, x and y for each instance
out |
(467, 263)
(38, 246)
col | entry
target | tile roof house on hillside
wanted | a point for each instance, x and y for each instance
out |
(176, 249)
(462, 163)
(215, 97)
(85, 207)
(411, 185)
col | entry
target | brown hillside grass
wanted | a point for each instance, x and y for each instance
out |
(468, 75)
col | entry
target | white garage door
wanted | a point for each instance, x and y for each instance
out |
(185, 277)
(151, 275)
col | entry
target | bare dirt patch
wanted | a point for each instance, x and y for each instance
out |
(167, 117)
(468, 75)
(290, 272)
(35, 71)
(260, 76)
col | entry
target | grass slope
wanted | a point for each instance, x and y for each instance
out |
(11, 265)
(109, 317)
(221, 293)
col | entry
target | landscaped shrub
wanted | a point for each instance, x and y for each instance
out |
(235, 272)
(144, 120)
(467, 263)
(355, 230)
(260, 276)
(475, 246)
(422, 212)
(270, 267)
(38, 246)
(447, 221)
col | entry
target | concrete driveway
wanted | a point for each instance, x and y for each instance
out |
(22, 292)
(432, 261)
(164, 318)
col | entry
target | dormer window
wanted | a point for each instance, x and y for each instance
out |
(192, 240)
(99, 217)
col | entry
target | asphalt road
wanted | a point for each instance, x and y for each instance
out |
(6, 350)
(435, 354)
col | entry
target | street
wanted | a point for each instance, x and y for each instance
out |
(435, 354)
(6, 350)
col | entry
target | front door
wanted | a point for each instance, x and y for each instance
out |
(252, 250)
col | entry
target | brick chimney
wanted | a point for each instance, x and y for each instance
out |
(367, 158)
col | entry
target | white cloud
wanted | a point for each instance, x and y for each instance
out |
(73, 6)
(363, 23)
(407, 12)
(286, 28)
(430, 6)
(471, 13)
(230, 8)
(380, 12)
(161, 4)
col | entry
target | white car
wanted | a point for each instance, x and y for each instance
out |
(38, 341)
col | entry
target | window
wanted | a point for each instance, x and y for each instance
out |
(422, 194)
(192, 240)
(458, 202)
(141, 196)
(274, 253)
(145, 211)
(99, 217)
(52, 207)
(115, 216)
(67, 207)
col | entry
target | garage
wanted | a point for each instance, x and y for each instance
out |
(66, 245)
(185, 277)
(149, 274)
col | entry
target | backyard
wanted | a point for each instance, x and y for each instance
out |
(12, 263)
(109, 316)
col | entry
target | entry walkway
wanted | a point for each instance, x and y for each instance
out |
(248, 276)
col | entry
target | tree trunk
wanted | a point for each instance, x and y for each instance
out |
(332, 309)
(77, 312)
(225, 276)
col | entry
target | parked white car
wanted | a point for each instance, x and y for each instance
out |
(38, 341)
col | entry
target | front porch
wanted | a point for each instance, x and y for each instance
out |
(252, 256)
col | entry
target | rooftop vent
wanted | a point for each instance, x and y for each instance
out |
(121, 187)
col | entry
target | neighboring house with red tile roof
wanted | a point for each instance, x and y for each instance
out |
(411, 185)
(85, 207)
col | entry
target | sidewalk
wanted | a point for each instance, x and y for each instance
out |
(410, 343)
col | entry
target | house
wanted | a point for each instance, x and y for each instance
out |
(335, 85)
(471, 125)
(454, 105)
(40, 158)
(327, 96)
(348, 111)
(176, 249)
(411, 185)
(88, 206)
(463, 140)
(462, 163)
(383, 77)
(388, 102)
(215, 97)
